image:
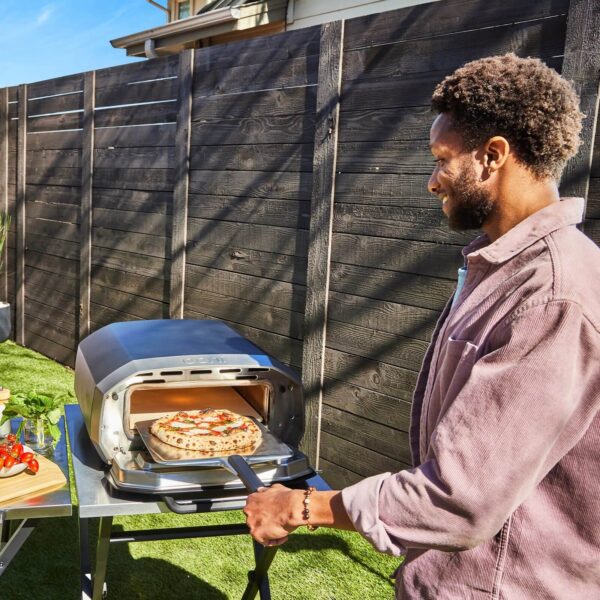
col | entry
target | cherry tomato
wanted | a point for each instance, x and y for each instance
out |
(33, 465)
(9, 461)
(26, 457)
(1, 461)
(11, 437)
(4, 451)
(17, 449)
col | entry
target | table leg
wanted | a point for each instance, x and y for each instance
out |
(101, 561)
(13, 544)
(258, 580)
(85, 568)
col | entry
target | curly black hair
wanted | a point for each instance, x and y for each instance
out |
(521, 99)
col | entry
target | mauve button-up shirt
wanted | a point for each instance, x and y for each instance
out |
(505, 430)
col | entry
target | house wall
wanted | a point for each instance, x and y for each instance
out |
(304, 13)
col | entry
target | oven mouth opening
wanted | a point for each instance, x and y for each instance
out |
(147, 401)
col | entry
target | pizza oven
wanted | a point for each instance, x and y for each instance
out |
(129, 374)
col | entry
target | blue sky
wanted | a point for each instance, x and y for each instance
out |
(43, 39)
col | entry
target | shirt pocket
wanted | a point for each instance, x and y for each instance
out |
(455, 367)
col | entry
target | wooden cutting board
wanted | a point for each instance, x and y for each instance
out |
(27, 484)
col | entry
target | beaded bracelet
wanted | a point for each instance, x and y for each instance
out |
(306, 510)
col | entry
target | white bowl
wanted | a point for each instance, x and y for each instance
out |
(16, 468)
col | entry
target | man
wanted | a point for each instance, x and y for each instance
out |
(504, 499)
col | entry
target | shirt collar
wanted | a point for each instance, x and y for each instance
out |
(569, 211)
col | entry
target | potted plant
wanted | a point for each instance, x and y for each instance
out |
(5, 320)
(40, 413)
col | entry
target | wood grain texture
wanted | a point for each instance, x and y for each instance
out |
(4, 170)
(582, 66)
(20, 215)
(321, 219)
(181, 190)
(86, 208)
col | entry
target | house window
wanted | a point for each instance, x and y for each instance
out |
(183, 10)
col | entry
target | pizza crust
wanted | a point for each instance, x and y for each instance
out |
(208, 430)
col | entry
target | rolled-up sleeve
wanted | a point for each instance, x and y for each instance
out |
(525, 404)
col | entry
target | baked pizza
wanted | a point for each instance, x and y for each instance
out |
(208, 430)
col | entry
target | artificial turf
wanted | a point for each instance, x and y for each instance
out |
(323, 565)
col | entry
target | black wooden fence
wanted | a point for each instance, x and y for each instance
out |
(278, 184)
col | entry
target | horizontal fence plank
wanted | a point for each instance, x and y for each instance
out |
(49, 159)
(50, 349)
(55, 122)
(391, 286)
(370, 374)
(125, 220)
(55, 140)
(56, 265)
(54, 194)
(63, 213)
(385, 190)
(254, 184)
(147, 91)
(145, 114)
(130, 304)
(55, 104)
(135, 158)
(146, 70)
(377, 437)
(142, 201)
(59, 85)
(284, 213)
(258, 50)
(253, 157)
(138, 285)
(358, 458)
(382, 316)
(288, 101)
(134, 137)
(369, 404)
(428, 225)
(129, 262)
(407, 124)
(385, 157)
(421, 258)
(238, 285)
(104, 315)
(260, 263)
(53, 229)
(134, 179)
(392, 349)
(246, 235)
(273, 75)
(62, 318)
(444, 18)
(446, 53)
(288, 129)
(40, 281)
(41, 328)
(337, 477)
(136, 243)
(269, 318)
(54, 176)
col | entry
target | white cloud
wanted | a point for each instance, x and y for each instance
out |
(44, 15)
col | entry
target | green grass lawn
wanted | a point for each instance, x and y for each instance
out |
(324, 565)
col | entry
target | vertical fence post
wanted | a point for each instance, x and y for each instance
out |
(20, 216)
(4, 182)
(582, 66)
(321, 219)
(180, 192)
(85, 209)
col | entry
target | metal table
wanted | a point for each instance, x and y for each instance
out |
(19, 517)
(97, 499)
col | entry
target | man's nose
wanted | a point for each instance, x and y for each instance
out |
(433, 185)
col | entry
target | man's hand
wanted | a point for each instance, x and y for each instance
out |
(272, 513)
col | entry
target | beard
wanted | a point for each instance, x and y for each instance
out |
(471, 204)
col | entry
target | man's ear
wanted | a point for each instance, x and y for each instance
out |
(496, 153)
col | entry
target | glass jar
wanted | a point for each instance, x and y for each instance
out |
(36, 435)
